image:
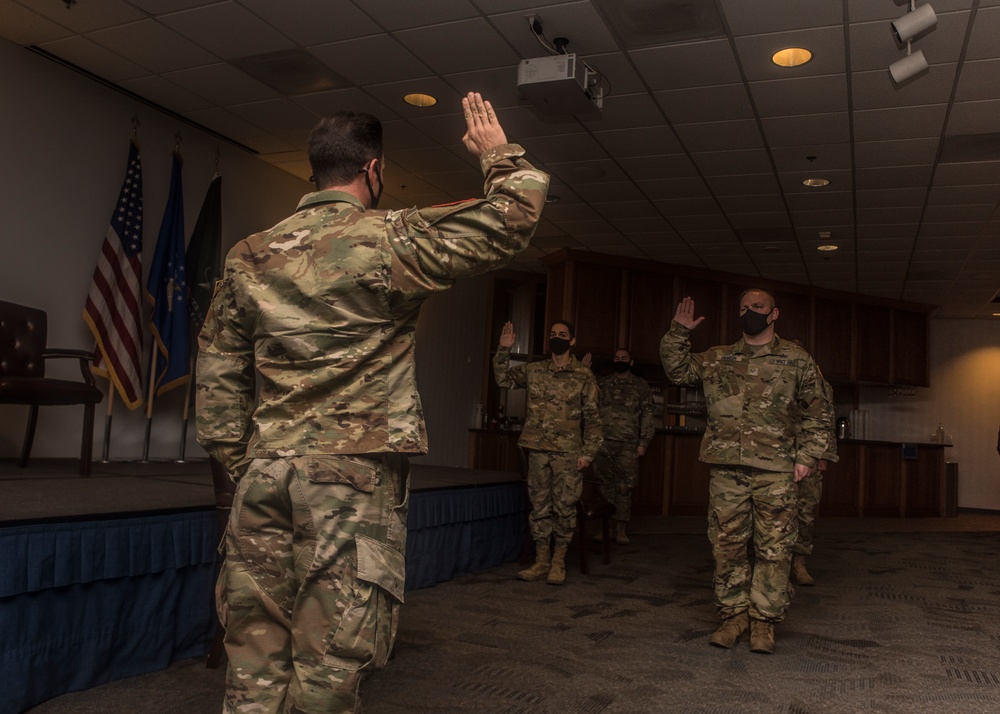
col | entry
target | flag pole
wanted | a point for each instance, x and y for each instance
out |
(188, 393)
(107, 423)
(149, 403)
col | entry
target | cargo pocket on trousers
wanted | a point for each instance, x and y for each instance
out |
(368, 625)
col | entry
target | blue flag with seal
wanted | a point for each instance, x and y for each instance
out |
(167, 292)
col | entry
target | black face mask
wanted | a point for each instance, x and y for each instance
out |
(753, 323)
(558, 345)
(368, 182)
(621, 367)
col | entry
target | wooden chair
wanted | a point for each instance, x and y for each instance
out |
(23, 354)
(592, 505)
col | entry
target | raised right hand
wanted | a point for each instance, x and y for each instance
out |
(483, 130)
(685, 314)
(507, 335)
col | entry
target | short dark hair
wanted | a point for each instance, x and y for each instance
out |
(774, 303)
(342, 144)
(569, 327)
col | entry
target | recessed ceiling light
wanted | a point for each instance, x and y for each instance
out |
(996, 314)
(816, 182)
(420, 100)
(827, 247)
(791, 57)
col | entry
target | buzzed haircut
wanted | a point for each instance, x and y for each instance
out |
(341, 145)
(774, 302)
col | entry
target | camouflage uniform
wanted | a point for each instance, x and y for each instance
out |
(767, 411)
(810, 489)
(560, 400)
(626, 405)
(306, 394)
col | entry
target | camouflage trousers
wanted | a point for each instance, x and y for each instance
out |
(554, 487)
(617, 466)
(810, 489)
(312, 580)
(743, 503)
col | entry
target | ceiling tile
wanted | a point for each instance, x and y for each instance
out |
(721, 135)
(975, 117)
(983, 42)
(900, 123)
(89, 16)
(657, 167)
(814, 159)
(221, 83)
(354, 100)
(979, 81)
(644, 141)
(626, 112)
(804, 129)
(687, 65)
(166, 93)
(568, 147)
(25, 27)
(402, 14)
(809, 95)
(459, 46)
(746, 185)
(905, 152)
(153, 46)
(276, 115)
(385, 60)
(825, 43)
(705, 104)
(314, 22)
(724, 163)
(94, 58)
(750, 17)
(228, 30)
(876, 90)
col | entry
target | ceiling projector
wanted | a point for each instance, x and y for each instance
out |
(560, 85)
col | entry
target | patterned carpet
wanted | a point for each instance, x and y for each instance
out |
(898, 623)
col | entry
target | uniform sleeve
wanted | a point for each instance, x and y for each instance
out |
(506, 375)
(225, 380)
(680, 366)
(472, 237)
(646, 426)
(592, 432)
(815, 413)
(831, 446)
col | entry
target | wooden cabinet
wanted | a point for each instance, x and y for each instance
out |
(923, 482)
(909, 348)
(873, 344)
(832, 338)
(881, 473)
(494, 451)
(647, 497)
(841, 483)
(590, 298)
(689, 477)
(615, 301)
(651, 307)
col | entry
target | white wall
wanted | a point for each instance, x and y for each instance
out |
(964, 398)
(64, 140)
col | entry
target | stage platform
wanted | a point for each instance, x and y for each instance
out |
(111, 575)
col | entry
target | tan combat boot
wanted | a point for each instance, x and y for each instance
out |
(541, 566)
(799, 572)
(557, 574)
(620, 537)
(761, 637)
(730, 632)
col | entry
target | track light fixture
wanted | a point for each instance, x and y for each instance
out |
(909, 66)
(904, 30)
(914, 22)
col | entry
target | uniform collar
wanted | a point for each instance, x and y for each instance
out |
(741, 347)
(573, 362)
(317, 198)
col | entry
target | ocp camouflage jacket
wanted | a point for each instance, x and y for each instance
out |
(308, 347)
(768, 406)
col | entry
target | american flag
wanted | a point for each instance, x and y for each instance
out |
(114, 309)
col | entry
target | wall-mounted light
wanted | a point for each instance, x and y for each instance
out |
(904, 29)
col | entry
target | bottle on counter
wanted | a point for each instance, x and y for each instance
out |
(939, 434)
